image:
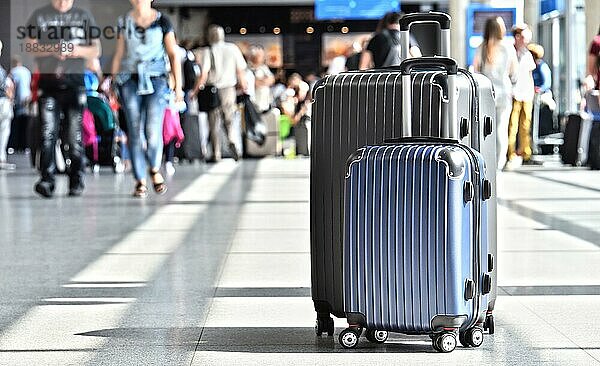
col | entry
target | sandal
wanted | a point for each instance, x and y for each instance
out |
(158, 183)
(141, 191)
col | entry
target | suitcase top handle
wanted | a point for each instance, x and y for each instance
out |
(442, 19)
(450, 129)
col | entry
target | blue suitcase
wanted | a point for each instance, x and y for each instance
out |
(415, 259)
(416, 255)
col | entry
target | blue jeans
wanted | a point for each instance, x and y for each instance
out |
(144, 115)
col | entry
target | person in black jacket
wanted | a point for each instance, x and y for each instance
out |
(61, 57)
(383, 49)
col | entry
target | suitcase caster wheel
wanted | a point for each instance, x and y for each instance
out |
(489, 324)
(349, 338)
(474, 337)
(376, 336)
(434, 343)
(446, 342)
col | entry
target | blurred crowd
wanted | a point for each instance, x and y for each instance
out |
(143, 113)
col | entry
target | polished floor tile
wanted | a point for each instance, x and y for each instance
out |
(217, 272)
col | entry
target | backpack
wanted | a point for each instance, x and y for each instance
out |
(393, 57)
(191, 71)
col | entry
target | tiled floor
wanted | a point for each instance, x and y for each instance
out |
(217, 272)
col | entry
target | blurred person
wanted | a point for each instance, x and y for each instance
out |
(542, 81)
(297, 99)
(223, 66)
(61, 62)
(140, 70)
(191, 72)
(593, 64)
(542, 76)
(92, 75)
(353, 61)
(338, 63)
(21, 77)
(497, 60)
(302, 113)
(523, 93)
(384, 48)
(264, 78)
(311, 79)
(279, 87)
(6, 113)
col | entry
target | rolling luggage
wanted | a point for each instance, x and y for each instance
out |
(191, 147)
(415, 252)
(355, 109)
(416, 257)
(302, 136)
(272, 145)
(103, 149)
(592, 106)
(594, 147)
(569, 149)
(574, 150)
(545, 129)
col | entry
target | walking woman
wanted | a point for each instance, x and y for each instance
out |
(140, 69)
(498, 61)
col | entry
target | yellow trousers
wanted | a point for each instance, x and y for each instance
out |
(520, 122)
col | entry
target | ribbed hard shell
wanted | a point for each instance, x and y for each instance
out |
(410, 238)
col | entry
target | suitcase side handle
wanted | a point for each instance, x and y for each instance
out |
(442, 19)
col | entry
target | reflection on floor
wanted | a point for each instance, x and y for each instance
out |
(217, 272)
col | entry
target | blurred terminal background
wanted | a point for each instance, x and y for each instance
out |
(305, 35)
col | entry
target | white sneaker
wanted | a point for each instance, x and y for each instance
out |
(513, 163)
(169, 168)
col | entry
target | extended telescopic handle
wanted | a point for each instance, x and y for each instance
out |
(442, 19)
(451, 126)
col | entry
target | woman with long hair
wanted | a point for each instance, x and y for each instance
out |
(146, 40)
(498, 61)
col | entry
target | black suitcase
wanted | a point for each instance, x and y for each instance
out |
(355, 109)
(301, 136)
(191, 147)
(569, 150)
(594, 149)
(592, 101)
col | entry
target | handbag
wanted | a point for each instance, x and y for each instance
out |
(208, 98)
(172, 130)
